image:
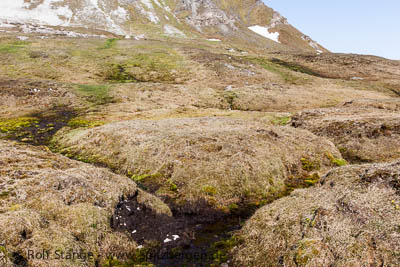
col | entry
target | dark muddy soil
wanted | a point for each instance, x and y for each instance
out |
(28, 87)
(186, 239)
(46, 125)
(19, 260)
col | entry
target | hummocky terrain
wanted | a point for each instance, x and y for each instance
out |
(191, 133)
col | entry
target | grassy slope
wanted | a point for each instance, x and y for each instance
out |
(151, 81)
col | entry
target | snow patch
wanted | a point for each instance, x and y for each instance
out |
(26, 28)
(264, 31)
(111, 19)
(158, 4)
(214, 40)
(147, 9)
(312, 43)
(148, 4)
(50, 12)
(120, 13)
(5, 24)
(58, 13)
(171, 30)
(139, 37)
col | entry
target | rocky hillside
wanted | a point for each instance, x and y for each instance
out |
(249, 22)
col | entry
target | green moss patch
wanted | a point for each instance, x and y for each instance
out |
(221, 250)
(12, 47)
(16, 124)
(336, 161)
(97, 94)
(230, 98)
(295, 67)
(281, 120)
(110, 43)
(172, 186)
(307, 250)
(285, 73)
(209, 190)
(309, 165)
(312, 179)
(38, 128)
(79, 122)
(159, 66)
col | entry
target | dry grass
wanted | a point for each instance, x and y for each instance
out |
(89, 61)
(22, 97)
(205, 122)
(128, 77)
(242, 160)
(363, 130)
(349, 220)
(347, 66)
(50, 202)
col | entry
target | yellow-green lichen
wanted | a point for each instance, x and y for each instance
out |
(281, 120)
(233, 207)
(230, 98)
(79, 122)
(309, 165)
(110, 43)
(140, 178)
(306, 251)
(336, 161)
(158, 66)
(222, 249)
(209, 190)
(15, 124)
(312, 179)
(12, 47)
(98, 94)
(172, 186)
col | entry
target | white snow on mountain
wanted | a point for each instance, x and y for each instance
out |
(5, 24)
(129, 18)
(312, 43)
(172, 31)
(110, 19)
(264, 31)
(147, 9)
(50, 12)
(59, 13)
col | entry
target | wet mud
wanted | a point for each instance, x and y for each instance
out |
(185, 239)
(43, 127)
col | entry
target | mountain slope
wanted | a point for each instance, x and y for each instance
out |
(246, 22)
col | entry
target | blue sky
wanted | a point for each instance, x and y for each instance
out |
(349, 26)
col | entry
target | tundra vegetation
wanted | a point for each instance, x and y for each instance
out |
(257, 155)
